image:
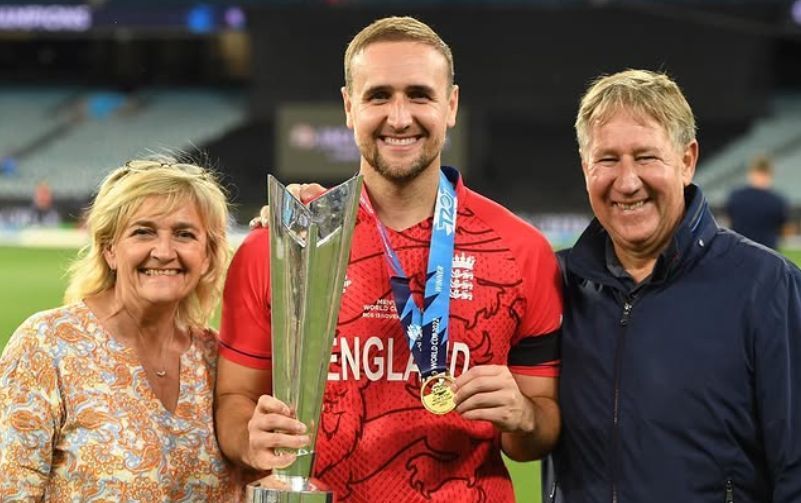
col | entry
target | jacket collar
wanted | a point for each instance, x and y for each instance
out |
(692, 238)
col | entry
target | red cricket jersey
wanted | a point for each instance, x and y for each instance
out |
(376, 441)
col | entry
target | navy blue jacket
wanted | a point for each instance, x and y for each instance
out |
(758, 214)
(687, 389)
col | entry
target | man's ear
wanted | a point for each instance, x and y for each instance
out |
(585, 170)
(453, 105)
(688, 162)
(346, 102)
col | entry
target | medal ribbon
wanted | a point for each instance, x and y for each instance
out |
(427, 328)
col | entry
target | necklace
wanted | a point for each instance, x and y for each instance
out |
(163, 371)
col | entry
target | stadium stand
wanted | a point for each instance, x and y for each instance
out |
(28, 114)
(777, 135)
(73, 139)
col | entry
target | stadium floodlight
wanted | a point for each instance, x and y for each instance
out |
(796, 12)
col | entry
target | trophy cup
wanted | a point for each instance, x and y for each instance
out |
(309, 251)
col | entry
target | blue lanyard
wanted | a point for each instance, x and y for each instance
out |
(427, 328)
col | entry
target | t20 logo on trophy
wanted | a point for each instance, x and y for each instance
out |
(309, 251)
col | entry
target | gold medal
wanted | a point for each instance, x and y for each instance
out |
(436, 394)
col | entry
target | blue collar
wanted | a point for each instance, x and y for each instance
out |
(692, 238)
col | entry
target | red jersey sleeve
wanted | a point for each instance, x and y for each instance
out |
(535, 347)
(542, 285)
(245, 327)
(535, 344)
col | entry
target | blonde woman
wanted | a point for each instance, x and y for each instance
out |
(110, 396)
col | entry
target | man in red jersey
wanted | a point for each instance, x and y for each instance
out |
(497, 320)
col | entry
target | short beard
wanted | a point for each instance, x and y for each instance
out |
(400, 176)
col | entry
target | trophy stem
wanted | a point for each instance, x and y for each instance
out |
(301, 468)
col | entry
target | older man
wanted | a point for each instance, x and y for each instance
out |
(681, 352)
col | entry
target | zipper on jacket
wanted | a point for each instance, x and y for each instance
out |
(552, 493)
(628, 303)
(624, 320)
(729, 491)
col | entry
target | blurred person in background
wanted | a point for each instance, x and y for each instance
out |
(681, 347)
(757, 211)
(8, 165)
(42, 211)
(110, 396)
(376, 441)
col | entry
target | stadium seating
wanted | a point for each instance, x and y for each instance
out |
(82, 147)
(777, 135)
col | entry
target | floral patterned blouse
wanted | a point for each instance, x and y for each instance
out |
(80, 422)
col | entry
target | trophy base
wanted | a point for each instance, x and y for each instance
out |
(272, 489)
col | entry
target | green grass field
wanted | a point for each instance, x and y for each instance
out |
(33, 279)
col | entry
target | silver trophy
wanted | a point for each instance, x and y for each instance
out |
(309, 251)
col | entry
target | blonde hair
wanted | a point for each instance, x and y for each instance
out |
(642, 92)
(395, 29)
(121, 194)
(761, 164)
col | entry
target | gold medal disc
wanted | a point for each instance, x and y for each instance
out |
(436, 394)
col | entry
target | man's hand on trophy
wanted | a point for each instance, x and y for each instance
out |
(305, 192)
(271, 429)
